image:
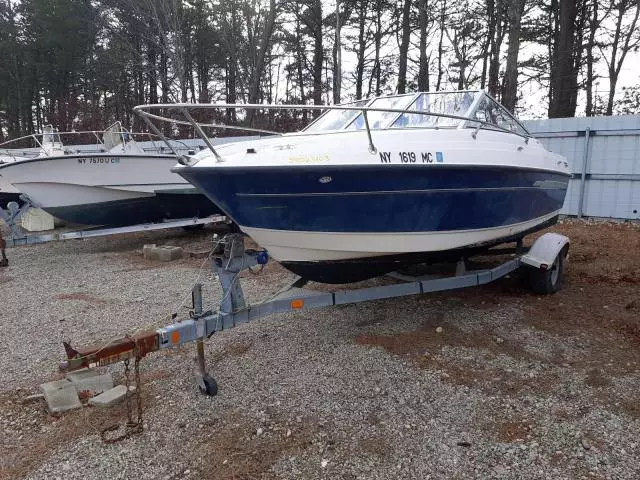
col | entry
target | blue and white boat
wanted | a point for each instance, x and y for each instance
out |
(373, 185)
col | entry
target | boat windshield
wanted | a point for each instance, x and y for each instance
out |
(336, 119)
(467, 104)
(449, 103)
(492, 112)
(381, 119)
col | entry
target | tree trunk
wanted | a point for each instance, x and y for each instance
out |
(496, 45)
(337, 58)
(562, 75)
(423, 70)
(440, 44)
(593, 27)
(491, 17)
(404, 47)
(318, 54)
(265, 39)
(362, 17)
(510, 90)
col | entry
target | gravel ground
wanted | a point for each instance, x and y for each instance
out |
(510, 386)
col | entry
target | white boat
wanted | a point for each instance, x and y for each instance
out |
(376, 184)
(114, 182)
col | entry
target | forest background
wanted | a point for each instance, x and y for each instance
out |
(83, 64)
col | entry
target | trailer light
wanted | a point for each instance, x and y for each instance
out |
(175, 337)
(544, 266)
(297, 304)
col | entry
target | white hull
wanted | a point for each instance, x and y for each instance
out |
(6, 187)
(297, 246)
(54, 182)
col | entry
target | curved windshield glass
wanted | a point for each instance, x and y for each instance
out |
(492, 112)
(336, 119)
(452, 103)
(382, 119)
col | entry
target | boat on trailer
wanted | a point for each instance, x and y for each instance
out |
(374, 185)
(113, 182)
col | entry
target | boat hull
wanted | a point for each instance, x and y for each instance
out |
(312, 218)
(108, 190)
(133, 211)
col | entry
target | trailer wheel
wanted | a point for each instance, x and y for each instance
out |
(550, 280)
(211, 386)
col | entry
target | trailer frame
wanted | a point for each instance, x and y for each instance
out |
(231, 259)
(14, 213)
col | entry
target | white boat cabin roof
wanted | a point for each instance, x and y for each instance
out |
(469, 104)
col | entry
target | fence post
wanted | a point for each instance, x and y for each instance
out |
(583, 175)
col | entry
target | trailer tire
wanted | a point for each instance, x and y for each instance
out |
(210, 386)
(550, 280)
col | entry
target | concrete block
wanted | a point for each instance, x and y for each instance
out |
(111, 397)
(165, 253)
(60, 396)
(82, 373)
(147, 250)
(91, 385)
(37, 220)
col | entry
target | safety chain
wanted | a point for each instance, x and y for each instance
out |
(131, 427)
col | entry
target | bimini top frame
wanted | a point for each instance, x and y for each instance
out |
(163, 112)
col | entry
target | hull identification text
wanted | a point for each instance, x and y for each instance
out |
(98, 161)
(411, 157)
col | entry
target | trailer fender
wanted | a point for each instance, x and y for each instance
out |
(545, 249)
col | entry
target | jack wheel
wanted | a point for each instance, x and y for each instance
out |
(210, 384)
(550, 280)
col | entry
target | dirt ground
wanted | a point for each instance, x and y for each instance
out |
(486, 382)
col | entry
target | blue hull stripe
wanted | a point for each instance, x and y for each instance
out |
(359, 200)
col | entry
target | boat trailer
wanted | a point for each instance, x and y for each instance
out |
(12, 215)
(544, 260)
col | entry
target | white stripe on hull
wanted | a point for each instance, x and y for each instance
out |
(299, 246)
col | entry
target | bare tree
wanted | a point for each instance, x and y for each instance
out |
(625, 38)
(404, 46)
(510, 86)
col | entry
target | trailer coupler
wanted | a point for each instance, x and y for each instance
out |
(115, 351)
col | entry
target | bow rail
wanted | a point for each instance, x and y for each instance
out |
(185, 109)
